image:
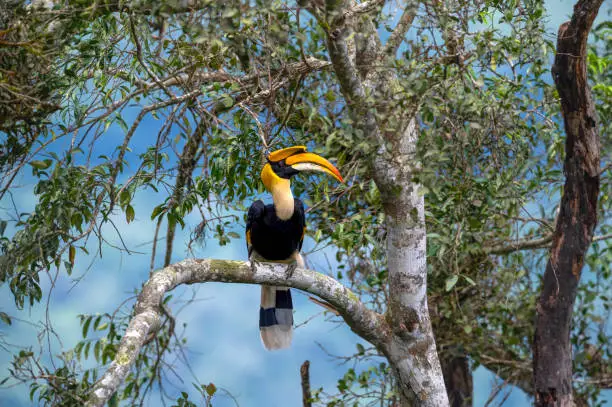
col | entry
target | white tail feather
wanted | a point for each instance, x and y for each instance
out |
(276, 336)
(268, 296)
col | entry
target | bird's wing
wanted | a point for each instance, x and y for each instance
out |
(256, 213)
(299, 208)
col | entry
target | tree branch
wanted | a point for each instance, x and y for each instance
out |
(305, 375)
(295, 69)
(147, 312)
(358, 9)
(402, 27)
(103, 7)
(519, 244)
(529, 244)
(518, 371)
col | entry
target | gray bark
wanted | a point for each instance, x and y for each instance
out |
(411, 347)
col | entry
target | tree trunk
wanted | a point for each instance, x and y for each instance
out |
(577, 216)
(412, 347)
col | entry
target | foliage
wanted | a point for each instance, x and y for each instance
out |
(216, 78)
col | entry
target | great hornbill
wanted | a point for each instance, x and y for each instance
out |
(274, 233)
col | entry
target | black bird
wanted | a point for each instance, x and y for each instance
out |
(274, 233)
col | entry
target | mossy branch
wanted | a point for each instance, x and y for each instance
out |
(147, 311)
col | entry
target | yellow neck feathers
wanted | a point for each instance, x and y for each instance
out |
(280, 188)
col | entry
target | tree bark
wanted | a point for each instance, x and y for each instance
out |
(578, 212)
(411, 346)
(305, 380)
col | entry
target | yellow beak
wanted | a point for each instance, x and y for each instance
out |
(312, 162)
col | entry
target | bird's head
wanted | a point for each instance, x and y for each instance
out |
(287, 162)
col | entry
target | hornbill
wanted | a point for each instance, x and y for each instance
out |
(275, 232)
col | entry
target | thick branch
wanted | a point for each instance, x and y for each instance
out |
(458, 378)
(147, 312)
(577, 216)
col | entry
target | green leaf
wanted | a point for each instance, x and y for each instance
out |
(71, 254)
(40, 165)
(125, 197)
(5, 318)
(451, 281)
(469, 280)
(227, 101)
(157, 210)
(86, 326)
(129, 213)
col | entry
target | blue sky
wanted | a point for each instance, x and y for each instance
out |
(223, 344)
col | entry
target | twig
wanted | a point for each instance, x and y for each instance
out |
(305, 375)
(404, 24)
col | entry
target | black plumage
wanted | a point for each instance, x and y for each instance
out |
(275, 233)
(272, 238)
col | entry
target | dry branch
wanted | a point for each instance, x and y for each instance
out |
(305, 380)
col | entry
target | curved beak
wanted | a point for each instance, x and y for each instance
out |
(312, 162)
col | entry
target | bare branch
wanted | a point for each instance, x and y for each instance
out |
(602, 237)
(310, 64)
(305, 375)
(520, 244)
(359, 9)
(147, 311)
(529, 244)
(112, 6)
(402, 27)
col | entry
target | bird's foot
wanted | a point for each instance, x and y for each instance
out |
(254, 265)
(290, 270)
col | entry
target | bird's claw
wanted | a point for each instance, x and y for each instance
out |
(290, 270)
(254, 265)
